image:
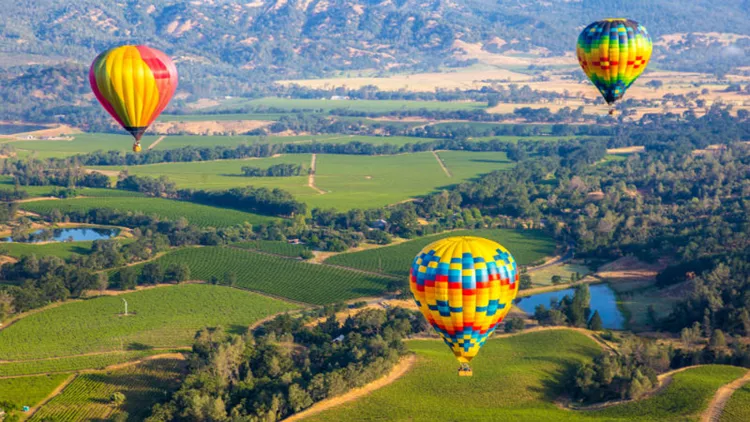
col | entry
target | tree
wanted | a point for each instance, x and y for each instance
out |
(117, 398)
(595, 324)
(178, 272)
(655, 84)
(230, 278)
(514, 324)
(127, 278)
(556, 279)
(707, 331)
(299, 399)
(525, 282)
(745, 320)
(152, 273)
(102, 282)
(6, 306)
(651, 316)
(718, 339)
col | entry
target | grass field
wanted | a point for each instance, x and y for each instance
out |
(88, 395)
(73, 363)
(518, 379)
(738, 407)
(350, 181)
(543, 277)
(28, 391)
(274, 247)
(161, 317)
(82, 143)
(225, 174)
(60, 249)
(299, 281)
(526, 247)
(515, 379)
(201, 215)
(372, 106)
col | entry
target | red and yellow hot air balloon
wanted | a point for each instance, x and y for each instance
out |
(134, 83)
(464, 286)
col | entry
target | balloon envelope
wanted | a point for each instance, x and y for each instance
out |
(134, 84)
(613, 53)
(464, 286)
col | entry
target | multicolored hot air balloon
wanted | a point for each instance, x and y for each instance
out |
(613, 53)
(464, 286)
(134, 84)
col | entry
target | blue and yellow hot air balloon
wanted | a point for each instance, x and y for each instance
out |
(464, 286)
(134, 83)
(614, 53)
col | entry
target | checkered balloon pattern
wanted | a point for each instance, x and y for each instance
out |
(613, 53)
(464, 286)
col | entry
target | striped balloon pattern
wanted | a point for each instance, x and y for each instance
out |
(614, 53)
(464, 286)
(134, 84)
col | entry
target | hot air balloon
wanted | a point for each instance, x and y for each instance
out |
(134, 84)
(464, 286)
(613, 53)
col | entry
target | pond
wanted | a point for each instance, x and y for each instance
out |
(67, 235)
(602, 299)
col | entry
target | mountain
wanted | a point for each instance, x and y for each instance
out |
(271, 39)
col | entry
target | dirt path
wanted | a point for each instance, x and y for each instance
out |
(311, 177)
(722, 396)
(442, 164)
(156, 142)
(51, 396)
(397, 372)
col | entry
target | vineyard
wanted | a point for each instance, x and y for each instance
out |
(28, 391)
(526, 246)
(738, 407)
(88, 396)
(274, 247)
(161, 317)
(73, 363)
(293, 279)
(201, 215)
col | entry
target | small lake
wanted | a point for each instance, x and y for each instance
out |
(76, 234)
(9, 129)
(602, 299)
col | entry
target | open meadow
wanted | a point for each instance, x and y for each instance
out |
(326, 105)
(88, 396)
(284, 277)
(160, 317)
(526, 246)
(201, 215)
(80, 143)
(520, 378)
(273, 247)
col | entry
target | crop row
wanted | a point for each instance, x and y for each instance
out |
(72, 364)
(525, 246)
(274, 247)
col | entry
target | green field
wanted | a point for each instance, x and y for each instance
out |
(201, 215)
(226, 174)
(274, 247)
(543, 277)
(6, 183)
(526, 247)
(738, 406)
(350, 181)
(293, 279)
(219, 117)
(82, 143)
(518, 379)
(371, 106)
(161, 317)
(74, 363)
(179, 141)
(88, 395)
(60, 249)
(28, 391)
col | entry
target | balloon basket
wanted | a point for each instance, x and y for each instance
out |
(464, 371)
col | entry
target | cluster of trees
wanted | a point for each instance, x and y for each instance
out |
(33, 172)
(151, 273)
(286, 365)
(259, 200)
(574, 311)
(276, 170)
